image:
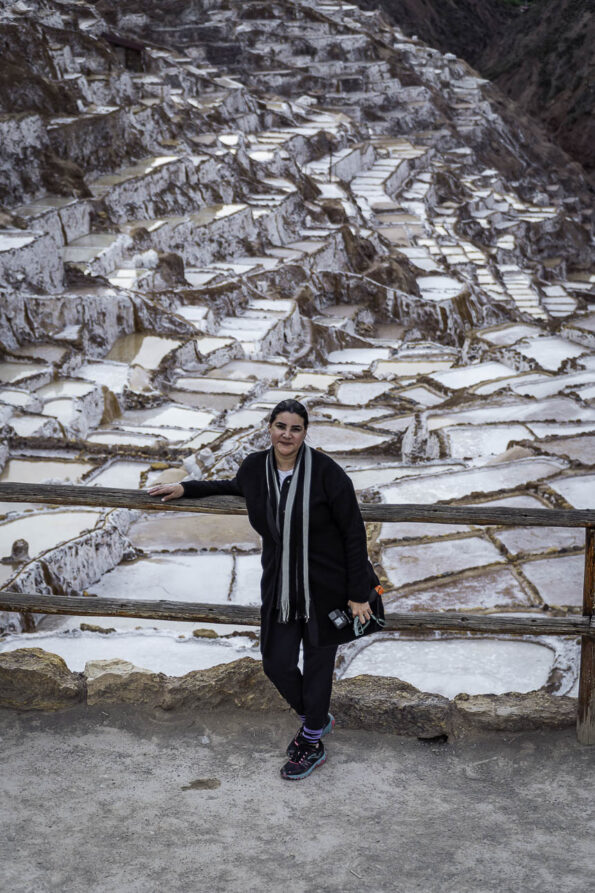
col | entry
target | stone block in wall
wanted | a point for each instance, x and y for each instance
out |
(34, 679)
(512, 712)
(388, 704)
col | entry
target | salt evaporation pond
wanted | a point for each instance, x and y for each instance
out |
(161, 652)
(451, 666)
(182, 578)
(46, 530)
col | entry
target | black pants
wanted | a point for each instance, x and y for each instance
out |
(309, 693)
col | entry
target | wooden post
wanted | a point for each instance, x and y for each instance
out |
(585, 723)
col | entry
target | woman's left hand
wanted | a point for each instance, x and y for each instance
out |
(362, 610)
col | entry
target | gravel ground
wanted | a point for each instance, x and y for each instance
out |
(132, 801)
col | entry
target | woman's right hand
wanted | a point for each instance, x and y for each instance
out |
(167, 491)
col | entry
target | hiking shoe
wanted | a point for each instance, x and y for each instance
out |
(307, 758)
(292, 747)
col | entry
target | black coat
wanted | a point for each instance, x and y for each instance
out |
(337, 553)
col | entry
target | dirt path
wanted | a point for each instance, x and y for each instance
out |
(130, 802)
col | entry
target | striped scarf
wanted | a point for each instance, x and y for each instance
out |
(293, 582)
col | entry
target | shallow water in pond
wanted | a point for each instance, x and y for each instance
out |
(142, 350)
(160, 652)
(451, 666)
(45, 530)
(32, 471)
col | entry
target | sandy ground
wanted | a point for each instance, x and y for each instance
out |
(130, 801)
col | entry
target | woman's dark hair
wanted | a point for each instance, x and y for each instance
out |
(289, 406)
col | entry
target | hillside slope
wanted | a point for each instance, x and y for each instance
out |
(541, 55)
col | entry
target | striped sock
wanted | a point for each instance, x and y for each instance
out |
(312, 736)
(302, 717)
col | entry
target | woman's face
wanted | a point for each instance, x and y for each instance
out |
(287, 435)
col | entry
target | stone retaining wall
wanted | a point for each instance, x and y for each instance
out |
(33, 679)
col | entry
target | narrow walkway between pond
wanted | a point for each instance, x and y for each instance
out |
(124, 800)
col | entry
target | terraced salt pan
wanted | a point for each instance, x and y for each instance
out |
(439, 288)
(120, 473)
(552, 429)
(467, 442)
(246, 584)
(339, 438)
(506, 335)
(467, 376)
(159, 652)
(214, 385)
(45, 530)
(422, 395)
(404, 530)
(457, 484)
(451, 666)
(317, 381)
(32, 471)
(246, 418)
(359, 393)
(559, 581)
(169, 416)
(522, 379)
(182, 578)
(579, 448)
(540, 539)
(112, 375)
(555, 409)
(378, 475)
(242, 370)
(142, 350)
(409, 368)
(545, 387)
(579, 491)
(550, 352)
(14, 397)
(172, 533)
(13, 372)
(348, 414)
(497, 588)
(123, 438)
(409, 563)
(363, 356)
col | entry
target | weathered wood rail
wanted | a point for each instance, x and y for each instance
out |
(573, 625)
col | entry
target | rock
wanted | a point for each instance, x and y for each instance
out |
(118, 681)
(93, 628)
(512, 712)
(241, 683)
(389, 705)
(204, 633)
(34, 679)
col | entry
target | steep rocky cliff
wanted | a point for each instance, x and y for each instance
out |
(541, 54)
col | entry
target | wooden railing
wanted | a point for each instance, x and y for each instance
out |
(570, 625)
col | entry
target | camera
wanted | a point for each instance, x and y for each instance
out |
(339, 618)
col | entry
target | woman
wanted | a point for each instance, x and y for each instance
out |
(314, 561)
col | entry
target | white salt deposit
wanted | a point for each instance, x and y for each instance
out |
(339, 438)
(467, 376)
(120, 473)
(409, 563)
(451, 666)
(559, 581)
(578, 490)
(457, 484)
(550, 352)
(540, 539)
(469, 441)
(30, 471)
(361, 392)
(159, 652)
(181, 578)
(46, 530)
